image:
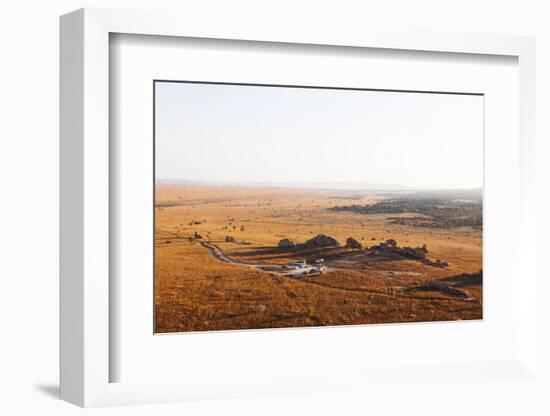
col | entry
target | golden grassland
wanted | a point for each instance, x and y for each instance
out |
(195, 291)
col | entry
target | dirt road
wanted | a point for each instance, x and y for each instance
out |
(220, 255)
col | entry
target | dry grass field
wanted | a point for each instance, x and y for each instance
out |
(209, 242)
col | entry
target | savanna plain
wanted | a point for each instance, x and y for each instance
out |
(243, 257)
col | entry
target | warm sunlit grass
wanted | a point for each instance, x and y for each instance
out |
(196, 292)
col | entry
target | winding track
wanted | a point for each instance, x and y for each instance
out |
(220, 255)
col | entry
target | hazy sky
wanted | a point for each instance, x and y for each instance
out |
(234, 133)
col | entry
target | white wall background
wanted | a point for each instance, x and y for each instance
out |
(29, 204)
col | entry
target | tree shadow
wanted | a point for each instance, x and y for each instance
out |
(268, 253)
(464, 280)
(261, 251)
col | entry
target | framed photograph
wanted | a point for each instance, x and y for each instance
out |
(268, 212)
(262, 196)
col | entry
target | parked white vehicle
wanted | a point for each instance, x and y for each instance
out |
(298, 264)
(300, 268)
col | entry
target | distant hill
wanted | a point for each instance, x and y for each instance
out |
(320, 185)
(359, 186)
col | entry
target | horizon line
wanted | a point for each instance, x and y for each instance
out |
(358, 186)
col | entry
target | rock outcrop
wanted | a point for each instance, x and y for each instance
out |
(286, 243)
(353, 243)
(390, 247)
(417, 253)
(391, 242)
(319, 241)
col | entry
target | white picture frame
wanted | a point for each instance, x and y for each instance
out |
(85, 214)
